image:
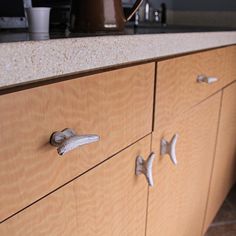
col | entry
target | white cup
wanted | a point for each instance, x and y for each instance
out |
(38, 19)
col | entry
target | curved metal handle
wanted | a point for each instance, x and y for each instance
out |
(145, 167)
(134, 9)
(67, 140)
(169, 148)
(205, 79)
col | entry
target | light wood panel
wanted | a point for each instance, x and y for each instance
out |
(177, 203)
(177, 86)
(232, 62)
(116, 105)
(108, 200)
(224, 170)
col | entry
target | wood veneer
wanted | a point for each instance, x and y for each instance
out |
(178, 201)
(177, 86)
(108, 200)
(116, 105)
(224, 169)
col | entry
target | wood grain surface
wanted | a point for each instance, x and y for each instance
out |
(115, 105)
(177, 86)
(224, 170)
(177, 203)
(108, 200)
(232, 62)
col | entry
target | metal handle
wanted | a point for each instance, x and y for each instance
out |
(169, 148)
(145, 167)
(205, 79)
(67, 140)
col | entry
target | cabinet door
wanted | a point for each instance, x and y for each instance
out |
(224, 170)
(109, 200)
(177, 203)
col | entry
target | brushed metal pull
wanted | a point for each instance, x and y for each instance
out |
(145, 167)
(169, 148)
(206, 79)
(67, 140)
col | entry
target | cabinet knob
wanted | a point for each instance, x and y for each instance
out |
(169, 148)
(206, 79)
(145, 167)
(67, 140)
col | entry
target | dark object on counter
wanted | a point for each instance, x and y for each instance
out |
(11, 8)
(12, 14)
(163, 14)
(60, 12)
(99, 16)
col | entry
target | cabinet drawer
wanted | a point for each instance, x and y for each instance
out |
(231, 64)
(115, 105)
(177, 86)
(108, 200)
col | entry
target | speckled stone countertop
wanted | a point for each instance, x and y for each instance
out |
(31, 61)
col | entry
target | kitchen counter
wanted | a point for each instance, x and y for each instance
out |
(30, 61)
(134, 117)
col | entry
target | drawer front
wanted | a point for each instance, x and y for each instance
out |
(115, 105)
(177, 86)
(232, 62)
(108, 200)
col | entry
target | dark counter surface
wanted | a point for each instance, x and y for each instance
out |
(21, 35)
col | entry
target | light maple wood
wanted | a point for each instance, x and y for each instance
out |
(177, 203)
(108, 200)
(177, 86)
(231, 63)
(224, 170)
(115, 105)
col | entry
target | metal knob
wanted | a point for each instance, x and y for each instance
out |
(67, 140)
(206, 79)
(145, 167)
(169, 148)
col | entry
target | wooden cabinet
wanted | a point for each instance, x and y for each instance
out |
(116, 105)
(108, 200)
(93, 190)
(178, 87)
(178, 201)
(224, 169)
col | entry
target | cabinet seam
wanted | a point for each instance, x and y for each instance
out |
(213, 161)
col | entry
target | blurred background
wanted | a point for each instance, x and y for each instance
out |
(214, 13)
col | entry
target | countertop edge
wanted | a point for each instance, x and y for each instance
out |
(32, 61)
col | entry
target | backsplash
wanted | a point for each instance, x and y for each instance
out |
(205, 13)
(179, 12)
(202, 18)
(202, 12)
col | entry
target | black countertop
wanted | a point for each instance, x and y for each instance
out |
(21, 35)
